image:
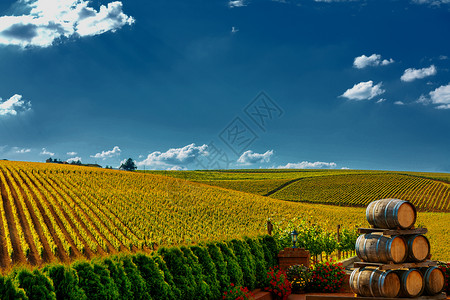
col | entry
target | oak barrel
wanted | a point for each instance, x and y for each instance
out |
(374, 247)
(391, 213)
(372, 282)
(434, 280)
(418, 247)
(411, 282)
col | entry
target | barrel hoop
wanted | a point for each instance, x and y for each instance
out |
(426, 278)
(410, 244)
(388, 249)
(381, 284)
(370, 283)
(357, 280)
(357, 250)
(364, 250)
(385, 213)
(396, 208)
(351, 281)
(376, 249)
(373, 213)
(367, 211)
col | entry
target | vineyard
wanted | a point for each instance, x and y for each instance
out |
(53, 212)
(428, 191)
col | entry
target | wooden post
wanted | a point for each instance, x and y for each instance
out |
(339, 240)
(269, 227)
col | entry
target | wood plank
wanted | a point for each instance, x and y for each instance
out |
(329, 297)
(428, 263)
(393, 231)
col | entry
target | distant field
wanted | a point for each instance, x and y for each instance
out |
(52, 212)
(428, 191)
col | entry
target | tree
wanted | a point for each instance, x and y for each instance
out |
(129, 165)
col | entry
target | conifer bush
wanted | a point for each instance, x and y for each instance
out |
(10, 290)
(36, 285)
(260, 263)
(220, 264)
(65, 281)
(209, 270)
(233, 268)
(246, 261)
(96, 281)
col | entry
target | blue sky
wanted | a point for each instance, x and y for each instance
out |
(227, 84)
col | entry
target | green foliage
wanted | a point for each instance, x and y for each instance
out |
(246, 261)
(234, 292)
(36, 285)
(221, 265)
(326, 277)
(260, 263)
(233, 268)
(65, 281)
(156, 286)
(10, 290)
(209, 270)
(137, 284)
(96, 281)
(128, 165)
(117, 272)
(270, 248)
(181, 271)
(174, 290)
(299, 276)
(203, 291)
(278, 285)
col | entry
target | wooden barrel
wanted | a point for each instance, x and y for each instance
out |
(411, 282)
(371, 282)
(434, 280)
(374, 247)
(418, 247)
(391, 213)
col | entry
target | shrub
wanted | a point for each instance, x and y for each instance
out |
(138, 288)
(209, 270)
(10, 290)
(260, 262)
(246, 261)
(202, 290)
(35, 284)
(220, 264)
(180, 270)
(279, 285)
(96, 282)
(233, 268)
(445, 267)
(326, 277)
(174, 292)
(270, 249)
(299, 276)
(119, 277)
(234, 292)
(155, 284)
(65, 281)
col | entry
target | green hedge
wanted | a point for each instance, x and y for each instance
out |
(186, 272)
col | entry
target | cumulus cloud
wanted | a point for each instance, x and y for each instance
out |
(399, 103)
(363, 91)
(413, 74)
(249, 157)
(49, 20)
(236, 3)
(21, 151)
(46, 152)
(440, 97)
(374, 60)
(71, 153)
(14, 105)
(174, 157)
(381, 100)
(108, 154)
(74, 159)
(309, 165)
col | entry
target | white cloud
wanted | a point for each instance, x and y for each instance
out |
(49, 20)
(13, 106)
(381, 100)
(72, 153)
(45, 152)
(439, 97)
(236, 3)
(74, 159)
(363, 91)
(432, 2)
(249, 157)
(399, 103)
(21, 151)
(108, 154)
(363, 61)
(234, 29)
(309, 165)
(174, 157)
(413, 74)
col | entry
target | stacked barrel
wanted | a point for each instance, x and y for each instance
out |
(394, 254)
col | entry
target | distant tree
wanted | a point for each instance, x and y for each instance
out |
(49, 160)
(129, 165)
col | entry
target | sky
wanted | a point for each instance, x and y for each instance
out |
(218, 84)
